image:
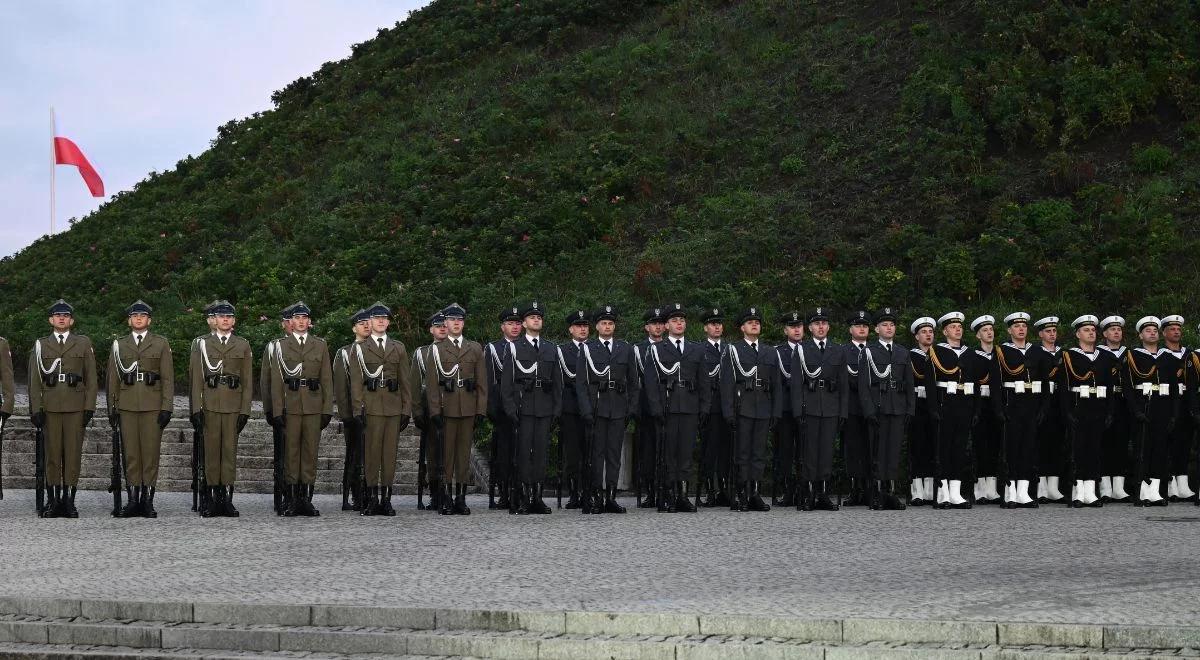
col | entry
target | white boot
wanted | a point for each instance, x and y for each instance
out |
(943, 494)
(1106, 489)
(928, 489)
(1077, 492)
(1052, 489)
(1172, 489)
(1152, 491)
(1181, 485)
(990, 491)
(1090, 496)
(1023, 492)
(1118, 489)
(917, 489)
(955, 494)
(1010, 492)
(980, 488)
(1041, 488)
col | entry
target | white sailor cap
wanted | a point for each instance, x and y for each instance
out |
(986, 319)
(1046, 322)
(1148, 320)
(1112, 320)
(950, 317)
(1086, 319)
(1171, 319)
(923, 322)
(1017, 317)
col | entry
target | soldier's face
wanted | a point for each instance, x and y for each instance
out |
(953, 332)
(714, 330)
(819, 329)
(751, 328)
(362, 329)
(301, 323)
(455, 326)
(225, 322)
(925, 336)
(1172, 333)
(1086, 334)
(379, 324)
(886, 330)
(986, 334)
(1115, 334)
(139, 322)
(579, 331)
(606, 328)
(438, 332)
(212, 322)
(655, 328)
(1149, 334)
(511, 329)
(62, 321)
(1048, 335)
(794, 333)
(533, 322)
(285, 325)
(1018, 331)
(676, 325)
(860, 331)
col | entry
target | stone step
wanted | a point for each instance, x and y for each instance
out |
(141, 629)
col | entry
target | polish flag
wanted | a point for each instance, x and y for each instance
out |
(66, 152)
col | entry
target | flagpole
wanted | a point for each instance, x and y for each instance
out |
(53, 166)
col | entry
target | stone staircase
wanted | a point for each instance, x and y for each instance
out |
(254, 464)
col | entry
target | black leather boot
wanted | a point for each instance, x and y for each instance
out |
(148, 502)
(610, 501)
(460, 500)
(724, 494)
(309, 509)
(710, 494)
(132, 508)
(385, 503)
(70, 511)
(805, 502)
(892, 501)
(228, 509)
(523, 500)
(445, 503)
(788, 498)
(572, 501)
(683, 504)
(821, 501)
(50, 507)
(536, 505)
(651, 499)
(292, 505)
(756, 502)
(368, 503)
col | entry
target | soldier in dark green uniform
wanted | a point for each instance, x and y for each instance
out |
(360, 324)
(141, 387)
(381, 398)
(456, 385)
(222, 374)
(302, 402)
(62, 401)
(420, 365)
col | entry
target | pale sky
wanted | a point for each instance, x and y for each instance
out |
(141, 85)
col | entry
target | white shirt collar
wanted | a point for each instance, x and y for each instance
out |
(221, 335)
(529, 338)
(300, 335)
(65, 334)
(140, 336)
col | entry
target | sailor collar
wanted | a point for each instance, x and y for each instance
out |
(1013, 346)
(957, 351)
(1091, 356)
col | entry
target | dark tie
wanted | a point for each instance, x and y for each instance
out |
(889, 348)
(301, 341)
(607, 346)
(754, 346)
(380, 340)
(821, 345)
(535, 343)
(61, 341)
(224, 340)
(456, 343)
(137, 339)
(679, 346)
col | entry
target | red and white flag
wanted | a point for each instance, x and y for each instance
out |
(66, 152)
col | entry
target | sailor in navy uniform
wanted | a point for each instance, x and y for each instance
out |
(820, 395)
(503, 433)
(921, 439)
(1178, 488)
(1151, 393)
(644, 460)
(987, 432)
(752, 400)
(607, 384)
(855, 451)
(532, 393)
(714, 432)
(1115, 450)
(885, 388)
(1085, 383)
(1051, 433)
(787, 431)
(570, 425)
(954, 409)
(1017, 381)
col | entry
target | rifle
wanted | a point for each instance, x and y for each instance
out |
(118, 464)
(199, 478)
(494, 461)
(3, 422)
(422, 470)
(561, 467)
(360, 469)
(39, 471)
(439, 448)
(733, 441)
(1003, 477)
(277, 442)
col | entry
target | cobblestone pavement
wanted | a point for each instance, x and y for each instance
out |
(1112, 565)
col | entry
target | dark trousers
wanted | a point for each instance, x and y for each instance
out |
(1153, 441)
(1181, 443)
(784, 450)
(986, 437)
(1020, 436)
(714, 435)
(1116, 442)
(954, 436)
(643, 448)
(570, 435)
(533, 440)
(679, 431)
(819, 433)
(855, 451)
(890, 436)
(920, 444)
(1051, 441)
(750, 457)
(502, 441)
(607, 442)
(1087, 437)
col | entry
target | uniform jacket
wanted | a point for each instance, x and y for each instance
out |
(379, 379)
(532, 384)
(50, 393)
(294, 368)
(229, 366)
(464, 393)
(820, 382)
(150, 361)
(618, 400)
(885, 381)
(757, 395)
(687, 391)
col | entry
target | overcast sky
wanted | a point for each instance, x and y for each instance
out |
(140, 85)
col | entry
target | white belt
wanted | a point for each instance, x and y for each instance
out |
(920, 390)
(957, 388)
(1182, 388)
(1147, 389)
(1086, 392)
(985, 391)
(1021, 387)
(1053, 386)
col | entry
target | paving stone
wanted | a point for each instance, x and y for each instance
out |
(135, 609)
(1151, 637)
(805, 629)
(221, 638)
(249, 613)
(343, 642)
(627, 623)
(555, 622)
(389, 617)
(868, 630)
(1015, 634)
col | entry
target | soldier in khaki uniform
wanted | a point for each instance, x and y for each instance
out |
(141, 385)
(302, 401)
(381, 399)
(222, 374)
(7, 386)
(62, 401)
(360, 324)
(282, 499)
(456, 386)
(420, 365)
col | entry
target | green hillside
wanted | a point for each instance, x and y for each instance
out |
(931, 155)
